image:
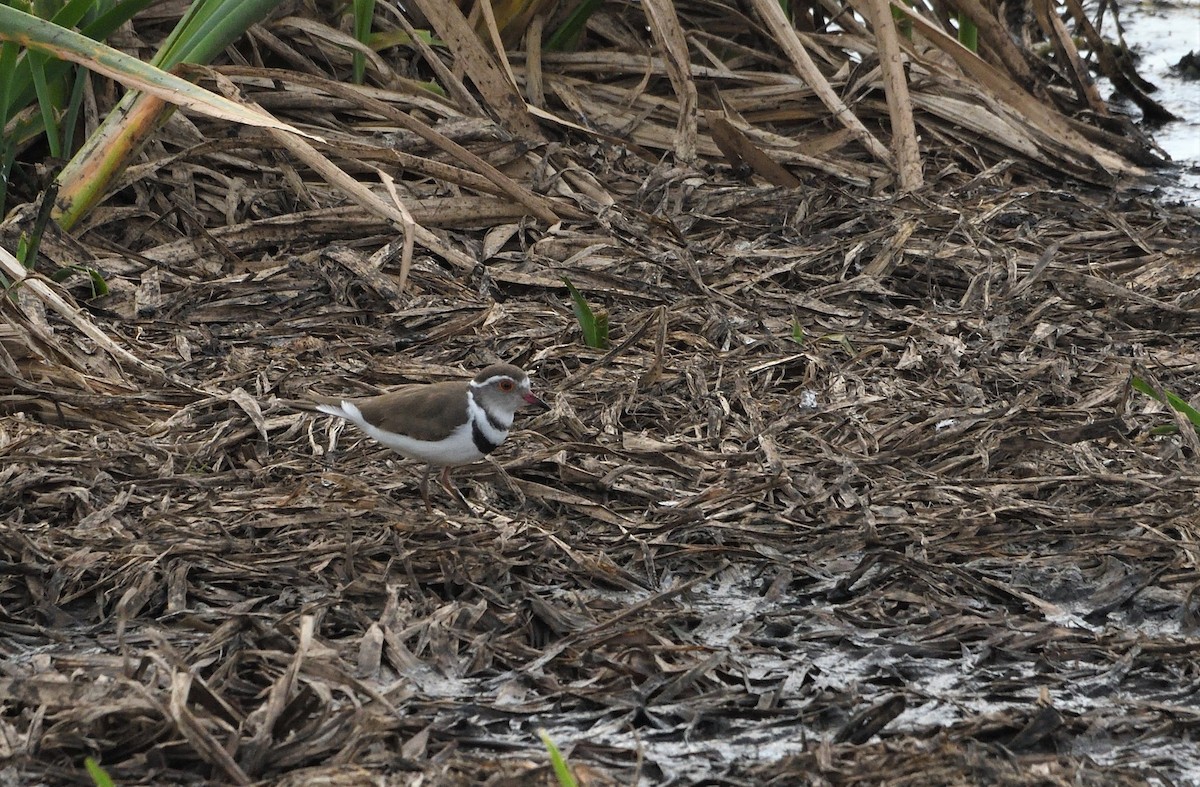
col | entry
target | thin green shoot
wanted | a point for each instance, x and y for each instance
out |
(95, 278)
(98, 774)
(8, 147)
(798, 335)
(27, 245)
(102, 26)
(48, 101)
(968, 33)
(1167, 397)
(9, 51)
(364, 15)
(903, 23)
(207, 28)
(562, 771)
(593, 323)
(568, 35)
(74, 107)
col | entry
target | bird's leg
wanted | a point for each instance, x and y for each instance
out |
(425, 488)
(449, 486)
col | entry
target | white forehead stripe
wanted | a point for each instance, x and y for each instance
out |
(497, 378)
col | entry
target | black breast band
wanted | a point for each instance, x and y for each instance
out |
(481, 440)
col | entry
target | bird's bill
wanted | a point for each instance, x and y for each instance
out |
(530, 398)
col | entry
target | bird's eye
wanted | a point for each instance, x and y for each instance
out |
(506, 385)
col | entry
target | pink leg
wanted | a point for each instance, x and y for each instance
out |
(425, 487)
(449, 486)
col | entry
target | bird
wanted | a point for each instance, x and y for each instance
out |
(444, 424)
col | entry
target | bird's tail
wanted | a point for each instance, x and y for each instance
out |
(332, 409)
(329, 405)
(341, 409)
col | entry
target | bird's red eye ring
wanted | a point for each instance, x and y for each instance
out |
(506, 385)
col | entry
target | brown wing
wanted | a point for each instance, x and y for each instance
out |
(426, 412)
(336, 401)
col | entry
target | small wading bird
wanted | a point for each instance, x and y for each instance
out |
(441, 424)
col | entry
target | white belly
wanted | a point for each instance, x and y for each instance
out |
(457, 449)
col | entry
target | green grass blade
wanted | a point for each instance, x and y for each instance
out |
(566, 38)
(71, 13)
(562, 771)
(798, 335)
(16, 80)
(47, 39)
(107, 22)
(968, 33)
(99, 285)
(595, 327)
(208, 27)
(28, 247)
(9, 51)
(178, 39)
(98, 774)
(364, 15)
(48, 102)
(74, 105)
(95, 278)
(8, 151)
(1167, 397)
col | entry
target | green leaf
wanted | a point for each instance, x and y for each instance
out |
(98, 774)
(595, 326)
(48, 101)
(104, 25)
(99, 285)
(797, 332)
(16, 80)
(56, 86)
(43, 37)
(561, 771)
(70, 13)
(208, 27)
(968, 33)
(566, 38)
(27, 245)
(74, 106)
(9, 51)
(364, 15)
(23, 251)
(1167, 397)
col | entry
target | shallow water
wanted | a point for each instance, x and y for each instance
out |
(1162, 33)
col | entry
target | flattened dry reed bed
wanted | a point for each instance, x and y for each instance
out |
(941, 516)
